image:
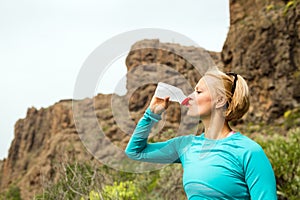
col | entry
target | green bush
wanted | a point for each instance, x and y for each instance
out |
(163, 184)
(284, 154)
(94, 196)
(87, 182)
(123, 190)
(76, 180)
(13, 193)
(292, 118)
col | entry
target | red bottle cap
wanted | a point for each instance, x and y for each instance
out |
(185, 102)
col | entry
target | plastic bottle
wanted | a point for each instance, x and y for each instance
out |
(165, 90)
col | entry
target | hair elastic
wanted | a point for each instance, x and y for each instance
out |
(234, 81)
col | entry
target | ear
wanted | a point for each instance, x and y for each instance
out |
(220, 102)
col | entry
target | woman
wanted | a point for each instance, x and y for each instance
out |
(220, 163)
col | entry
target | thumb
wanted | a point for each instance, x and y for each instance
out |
(166, 102)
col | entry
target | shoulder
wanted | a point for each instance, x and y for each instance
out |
(248, 144)
(252, 152)
(247, 149)
(184, 139)
(182, 142)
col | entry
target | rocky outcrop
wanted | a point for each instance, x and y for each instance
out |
(42, 139)
(263, 45)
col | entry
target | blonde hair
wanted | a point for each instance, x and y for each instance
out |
(237, 103)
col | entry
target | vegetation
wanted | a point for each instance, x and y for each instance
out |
(83, 182)
(13, 193)
(285, 8)
(284, 155)
(290, 4)
(122, 190)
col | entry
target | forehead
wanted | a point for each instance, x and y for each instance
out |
(210, 83)
(201, 84)
(206, 81)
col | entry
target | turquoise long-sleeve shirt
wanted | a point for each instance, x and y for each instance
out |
(235, 167)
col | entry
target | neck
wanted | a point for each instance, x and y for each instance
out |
(216, 127)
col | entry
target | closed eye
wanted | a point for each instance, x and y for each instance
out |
(198, 92)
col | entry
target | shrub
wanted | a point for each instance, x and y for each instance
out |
(284, 154)
(76, 180)
(123, 190)
(94, 196)
(292, 118)
(13, 193)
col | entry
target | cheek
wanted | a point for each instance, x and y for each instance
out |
(204, 100)
(202, 106)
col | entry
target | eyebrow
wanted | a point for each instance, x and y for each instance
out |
(197, 88)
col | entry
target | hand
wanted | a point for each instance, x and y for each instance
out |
(158, 105)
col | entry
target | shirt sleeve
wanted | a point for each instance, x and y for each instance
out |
(138, 147)
(259, 175)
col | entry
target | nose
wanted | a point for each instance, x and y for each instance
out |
(191, 96)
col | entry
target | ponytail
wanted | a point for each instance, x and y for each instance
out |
(238, 102)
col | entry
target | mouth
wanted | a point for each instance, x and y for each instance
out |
(185, 102)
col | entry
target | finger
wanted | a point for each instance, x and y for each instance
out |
(154, 100)
(166, 102)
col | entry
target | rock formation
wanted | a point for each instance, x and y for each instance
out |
(263, 45)
(42, 140)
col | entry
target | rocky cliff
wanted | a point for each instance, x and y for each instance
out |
(262, 45)
(42, 139)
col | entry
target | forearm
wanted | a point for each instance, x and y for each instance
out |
(139, 138)
(160, 152)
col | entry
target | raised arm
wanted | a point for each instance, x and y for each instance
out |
(139, 149)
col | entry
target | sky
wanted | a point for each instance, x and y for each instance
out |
(43, 44)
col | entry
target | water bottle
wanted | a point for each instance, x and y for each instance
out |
(165, 90)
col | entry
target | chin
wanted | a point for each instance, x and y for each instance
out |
(192, 114)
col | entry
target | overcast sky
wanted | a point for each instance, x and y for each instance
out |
(43, 44)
